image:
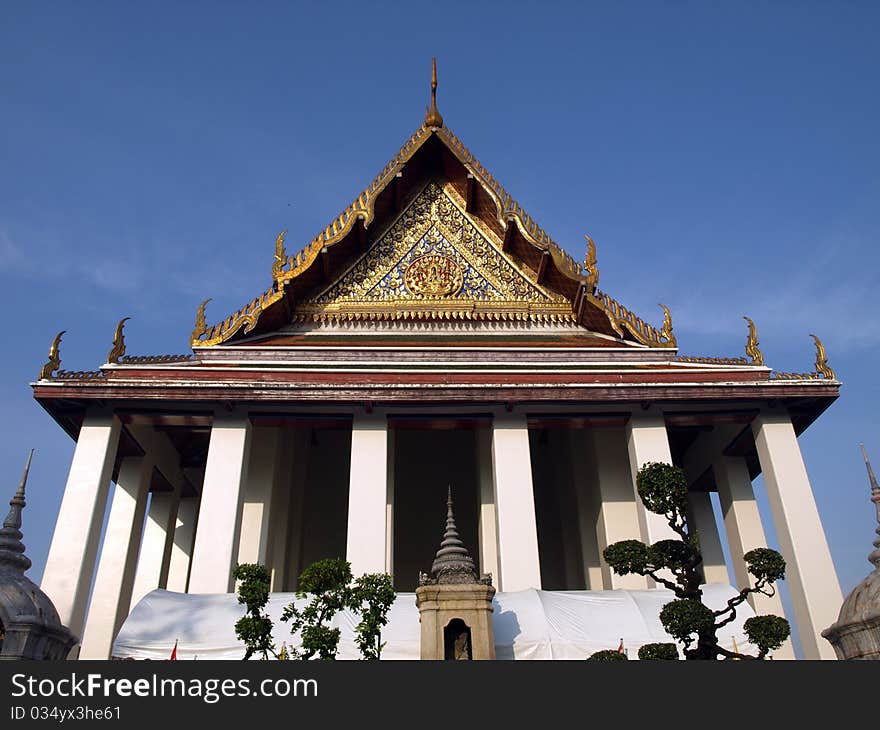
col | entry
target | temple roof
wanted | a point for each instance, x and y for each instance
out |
(434, 169)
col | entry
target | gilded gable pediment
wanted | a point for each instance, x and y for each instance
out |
(435, 261)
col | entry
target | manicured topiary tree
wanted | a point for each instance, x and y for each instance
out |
(674, 563)
(607, 655)
(658, 651)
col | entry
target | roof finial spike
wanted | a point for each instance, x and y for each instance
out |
(432, 115)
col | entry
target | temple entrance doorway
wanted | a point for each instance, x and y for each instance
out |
(429, 456)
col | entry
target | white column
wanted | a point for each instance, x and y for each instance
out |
(155, 553)
(815, 590)
(389, 506)
(111, 595)
(182, 545)
(70, 565)
(618, 514)
(216, 545)
(714, 567)
(367, 495)
(519, 564)
(647, 441)
(487, 528)
(257, 499)
(742, 523)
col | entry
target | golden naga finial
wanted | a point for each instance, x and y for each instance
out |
(432, 115)
(590, 265)
(822, 367)
(280, 256)
(201, 326)
(752, 344)
(666, 330)
(54, 358)
(118, 349)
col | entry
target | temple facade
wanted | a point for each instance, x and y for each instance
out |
(432, 335)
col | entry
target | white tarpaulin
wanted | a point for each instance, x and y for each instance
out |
(528, 624)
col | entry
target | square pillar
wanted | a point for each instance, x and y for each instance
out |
(257, 498)
(155, 554)
(70, 565)
(367, 496)
(647, 441)
(216, 545)
(519, 563)
(618, 513)
(111, 595)
(742, 523)
(702, 518)
(181, 547)
(815, 589)
(487, 528)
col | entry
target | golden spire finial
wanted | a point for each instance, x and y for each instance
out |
(432, 115)
(752, 344)
(54, 358)
(822, 367)
(666, 331)
(280, 255)
(590, 265)
(118, 349)
(201, 326)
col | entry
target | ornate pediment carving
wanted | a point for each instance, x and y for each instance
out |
(435, 261)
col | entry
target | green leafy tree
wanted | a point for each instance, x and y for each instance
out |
(330, 586)
(326, 582)
(255, 627)
(371, 596)
(675, 563)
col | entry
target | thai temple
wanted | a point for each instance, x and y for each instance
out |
(433, 334)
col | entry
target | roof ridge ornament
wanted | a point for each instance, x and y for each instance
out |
(280, 256)
(666, 330)
(590, 266)
(822, 367)
(752, 343)
(201, 326)
(54, 362)
(432, 114)
(118, 349)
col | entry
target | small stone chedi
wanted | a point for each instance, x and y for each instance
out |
(856, 635)
(29, 624)
(455, 606)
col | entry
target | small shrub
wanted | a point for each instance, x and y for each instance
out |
(658, 651)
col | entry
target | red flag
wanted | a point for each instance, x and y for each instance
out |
(173, 652)
(620, 648)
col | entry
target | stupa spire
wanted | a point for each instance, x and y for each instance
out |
(432, 114)
(453, 563)
(874, 557)
(11, 548)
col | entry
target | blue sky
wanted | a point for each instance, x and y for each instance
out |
(724, 157)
